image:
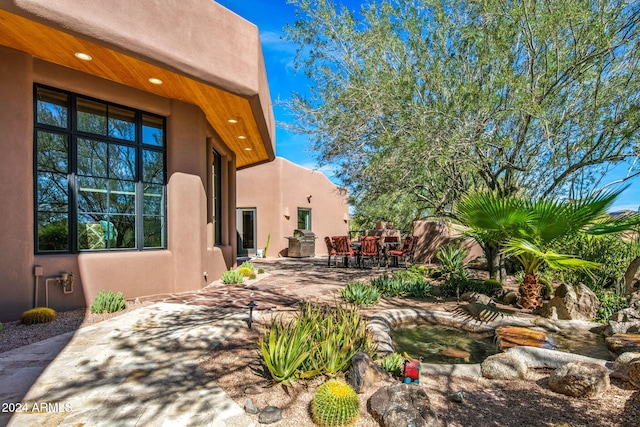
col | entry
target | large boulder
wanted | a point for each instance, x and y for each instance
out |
(580, 379)
(622, 365)
(634, 373)
(400, 405)
(503, 366)
(571, 303)
(626, 321)
(364, 373)
(632, 277)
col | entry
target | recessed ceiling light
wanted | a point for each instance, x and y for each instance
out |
(155, 81)
(242, 137)
(233, 121)
(83, 56)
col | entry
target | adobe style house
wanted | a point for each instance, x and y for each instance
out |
(280, 197)
(122, 126)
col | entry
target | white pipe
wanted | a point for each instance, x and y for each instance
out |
(46, 290)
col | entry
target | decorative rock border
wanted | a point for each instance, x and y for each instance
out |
(382, 322)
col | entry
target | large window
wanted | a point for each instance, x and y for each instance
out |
(99, 173)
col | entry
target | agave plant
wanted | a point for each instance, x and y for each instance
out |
(527, 229)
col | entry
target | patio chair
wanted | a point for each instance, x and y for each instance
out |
(344, 249)
(405, 252)
(331, 251)
(370, 249)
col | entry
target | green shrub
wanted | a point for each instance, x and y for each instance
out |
(392, 363)
(492, 287)
(452, 265)
(38, 315)
(108, 302)
(248, 265)
(318, 340)
(335, 404)
(421, 270)
(253, 276)
(418, 288)
(245, 271)
(359, 293)
(261, 271)
(610, 302)
(389, 286)
(232, 277)
(1, 326)
(402, 283)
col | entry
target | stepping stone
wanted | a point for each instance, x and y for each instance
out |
(622, 343)
(512, 336)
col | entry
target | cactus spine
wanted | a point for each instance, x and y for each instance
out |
(335, 404)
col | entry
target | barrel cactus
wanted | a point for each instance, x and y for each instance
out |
(335, 404)
(38, 315)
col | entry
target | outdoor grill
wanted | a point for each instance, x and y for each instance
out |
(302, 244)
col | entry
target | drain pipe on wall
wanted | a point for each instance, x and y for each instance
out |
(37, 272)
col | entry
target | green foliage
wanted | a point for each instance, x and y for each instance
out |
(402, 283)
(248, 265)
(452, 265)
(525, 80)
(108, 302)
(610, 302)
(318, 340)
(359, 293)
(335, 404)
(38, 315)
(252, 276)
(612, 252)
(492, 287)
(455, 288)
(547, 290)
(245, 272)
(1, 326)
(421, 270)
(261, 271)
(392, 363)
(232, 277)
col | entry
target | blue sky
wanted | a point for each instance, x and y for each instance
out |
(271, 16)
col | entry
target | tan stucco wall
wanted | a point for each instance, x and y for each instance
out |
(434, 234)
(190, 252)
(272, 187)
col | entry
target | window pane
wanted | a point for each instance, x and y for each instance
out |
(92, 195)
(122, 197)
(53, 151)
(152, 166)
(122, 124)
(153, 199)
(92, 158)
(304, 219)
(92, 116)
(125, 231)
(53, 192)
(91, 234)
(153, 232)
(122, 162)
(52, 108)
(53, 231)
(152, 130)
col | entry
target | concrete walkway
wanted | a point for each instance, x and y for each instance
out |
(138, 369)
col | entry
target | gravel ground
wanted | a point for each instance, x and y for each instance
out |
(15, 334)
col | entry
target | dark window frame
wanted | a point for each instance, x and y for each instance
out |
(217, 198)
(138, 182)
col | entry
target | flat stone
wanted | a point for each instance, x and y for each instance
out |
(270, 414)
(253, 389)
(512, 336)
(250, 407)
(400, 405)
(622, 343)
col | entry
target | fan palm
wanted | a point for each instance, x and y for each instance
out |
(526, 229)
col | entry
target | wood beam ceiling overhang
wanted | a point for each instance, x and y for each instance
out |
(248, 138)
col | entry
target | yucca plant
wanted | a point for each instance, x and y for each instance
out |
(359, 293)
(392, 363)
(285, 347)
(389, 286)
(340, 333)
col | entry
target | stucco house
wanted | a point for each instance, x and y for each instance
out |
(122, 127)
(277, 198)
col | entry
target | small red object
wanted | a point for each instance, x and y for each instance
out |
(412, 369)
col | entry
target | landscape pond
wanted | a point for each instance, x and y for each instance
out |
(447, 345)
